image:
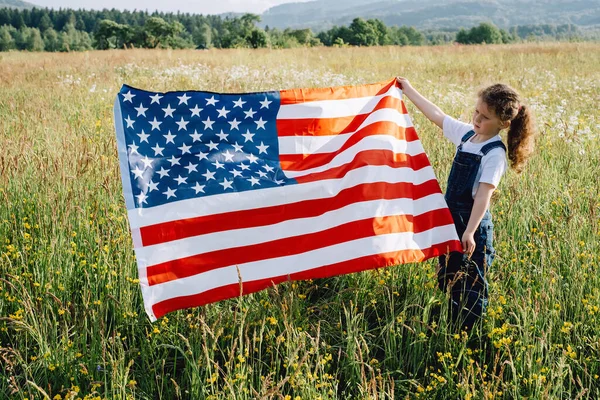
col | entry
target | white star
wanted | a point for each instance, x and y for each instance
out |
(138, 172)
(236, 173)
(248, 136)
(142, 198)
(211, 101)
(147, 162)
(202, 156)
(228, 156)
(226, 184)
(196, 136)
(234, 122)
(262, 174)
(152, 186)
(182, 124)
(173, 160)
(169, 137)
(253, 181)
(141, 110)
(157, 150)
(199, 188)
(218, 165)
(249, 113)
(209, 175)
(239, 103)
(223, 112)
(244, 167)
(129, 122)
(222, 135)
(168, 111)
(260, 123)
(252, 158)
(183, 99)
(212, 146)
(265, 103)
(196, 111)
(170, 193)
(278, 181)
(128, 96)
(191, 167)
(163, 172)
(133, 149)
(186, 149)
(155, 124)
(180, 180)
(208, 123)
(237, 147)
(268, 168)
(156, 99)
(262, 148)
(143, 137)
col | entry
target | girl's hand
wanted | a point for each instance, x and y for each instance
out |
(468, 243)
(404, 84)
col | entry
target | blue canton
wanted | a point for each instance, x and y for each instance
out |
(183, 145)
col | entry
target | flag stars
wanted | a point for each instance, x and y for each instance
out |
(212, 101)
(209, 175)
(147, 162)
(133, 149)
(128, 96)
(223, 112)
(191, 168)
(248, 136)
(262, 148)
(195, 136)
(222, 135)
(254, 181)
(129, 122)
(244, 167)
(228, 156)
(199, 188)
(174, 160)
(152, 186)
(185, 149)
(253, 159)
(156, 99)
(226, 184)
(157, 150)
(236, 173)
(202, 156)
(212, 146)
(237, 147)
(265, 103)
(249, 113)
(208, 123)
(183, 99)
(163, 172)
(142, 198)
(196, 111)
(141, 110)
(138, 172)
(262, 174)
(260, 124)
(168, 111)
(169, 136)
(268, 168)
(155, 124)
(218, 164)
(143, 137)
(239, 103)
(180, 180)
(234, 124)
(182, 124)
(170, 193)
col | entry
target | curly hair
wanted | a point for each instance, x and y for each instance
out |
(507, 104)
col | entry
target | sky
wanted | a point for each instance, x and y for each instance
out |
(194, 7)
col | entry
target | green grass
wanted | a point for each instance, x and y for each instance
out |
(72, 322)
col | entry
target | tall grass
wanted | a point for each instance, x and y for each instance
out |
(72, 323)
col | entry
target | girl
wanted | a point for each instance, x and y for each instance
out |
(479, 163)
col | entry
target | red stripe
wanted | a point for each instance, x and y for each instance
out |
(333, 126)
(296, 162)
(355, 265)
(295, 96)
(180, 229)
(372, 158)
(199, 263)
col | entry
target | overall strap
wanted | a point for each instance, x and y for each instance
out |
(467, 136)
(490, 146)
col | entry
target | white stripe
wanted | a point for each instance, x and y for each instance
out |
(282, 266)
(157, 254)
(307, 144)
(335, 108)
(275, 196)
(379, 142)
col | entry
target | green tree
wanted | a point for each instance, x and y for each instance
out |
(202, 36)
(34, 40)
(51, 40)
(6, 40)
(161, 33)
(363, 33)
(45, 23)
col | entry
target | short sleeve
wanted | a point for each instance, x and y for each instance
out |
(493, 166)
(455, 129)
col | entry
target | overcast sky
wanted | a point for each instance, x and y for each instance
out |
(195, 7)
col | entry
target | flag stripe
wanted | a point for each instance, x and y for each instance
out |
(348, 107)
(339, 214)
(184, 228)
(228, 202)
(199, 263)
(294, 96)
(338, 126)
(295, 263)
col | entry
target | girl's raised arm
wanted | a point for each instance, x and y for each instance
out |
(431, 111)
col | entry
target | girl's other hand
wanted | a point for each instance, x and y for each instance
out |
(468, 243)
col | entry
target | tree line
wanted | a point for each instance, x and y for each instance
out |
(75, 30)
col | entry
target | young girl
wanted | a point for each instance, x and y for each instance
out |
(479, 163)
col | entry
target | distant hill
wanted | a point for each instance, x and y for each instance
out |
(16, 4)
(432, 14)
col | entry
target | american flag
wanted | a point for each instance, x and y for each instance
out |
(229, 192)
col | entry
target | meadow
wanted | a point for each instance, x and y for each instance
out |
(72, 322)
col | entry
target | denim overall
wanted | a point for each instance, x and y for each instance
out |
(466, 275)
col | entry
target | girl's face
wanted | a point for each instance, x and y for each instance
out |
(485, 121)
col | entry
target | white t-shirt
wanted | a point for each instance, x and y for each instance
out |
(493, 164)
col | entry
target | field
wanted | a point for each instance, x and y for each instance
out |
(72, 323)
